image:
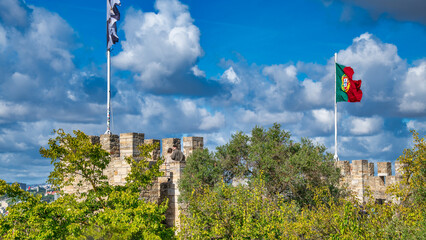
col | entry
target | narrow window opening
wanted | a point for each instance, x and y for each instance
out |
(383, 178)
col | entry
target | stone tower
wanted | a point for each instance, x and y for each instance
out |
(359, 176)
(165, 186)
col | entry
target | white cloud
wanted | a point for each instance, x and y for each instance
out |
(365, 126)
(189, 108)
(230, 76)
(198, 72)
(324, 117)
(313, 92)
(159, 45)
(10, 111)
(263, 117)
(209, 121)
(3, 38)
(37, 57)
(377, 147)
(49, 39)
(213, 139)
(282, 75)
(414, 90)
(416, 125)
(367, 52)
(381, 70)
(14, 12)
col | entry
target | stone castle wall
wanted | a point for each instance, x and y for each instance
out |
(165, 186)
(359, 177)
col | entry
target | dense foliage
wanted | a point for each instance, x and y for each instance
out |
(267, 207)
(245, 212)
(103, 212)
(290, 169)
(412, 189)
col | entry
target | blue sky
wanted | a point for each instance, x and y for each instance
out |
(210, 68)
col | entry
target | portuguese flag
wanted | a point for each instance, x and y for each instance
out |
(347, 90)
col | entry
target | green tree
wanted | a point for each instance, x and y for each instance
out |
(288, 167)
(247, 212)
(222, 211)
(103, 212)
(242, 212)
(201, 170)
(412, 188)
(31, 218)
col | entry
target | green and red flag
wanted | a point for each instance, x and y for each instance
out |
(347, 90)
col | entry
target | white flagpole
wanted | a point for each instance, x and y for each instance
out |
(108, 131)
(336, 158)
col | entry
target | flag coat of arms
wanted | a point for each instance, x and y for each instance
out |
(347, 89)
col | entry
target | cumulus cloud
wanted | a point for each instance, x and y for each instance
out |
(14, 13)
(381, 70)
(3, 40)
(313, 92)
(41, 88)
(198, 72)
(37, 57)
(416, 125)
(364, 126)
(161, 50)
(230, 76)
(210, 121)
(281, 74)
(408, 10)
(414, 90)
(324, 118)
(262, 117)
(11, 112)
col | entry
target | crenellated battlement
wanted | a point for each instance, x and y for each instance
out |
(126, 145)
(359, 176)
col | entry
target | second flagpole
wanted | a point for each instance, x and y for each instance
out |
(336, 157)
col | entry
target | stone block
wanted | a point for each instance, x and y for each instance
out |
(123, 171)
(384, 169)
(129, 143)
(111, 144)
(192, 143)
(359, 167)
(371, 169)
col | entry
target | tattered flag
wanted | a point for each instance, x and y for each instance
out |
(113, 15)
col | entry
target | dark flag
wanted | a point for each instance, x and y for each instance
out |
(113, 15)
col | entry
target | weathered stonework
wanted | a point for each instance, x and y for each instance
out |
(165, 186)
(192, 143)
(358, 176)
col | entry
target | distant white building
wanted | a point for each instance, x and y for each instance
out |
(3, 204)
